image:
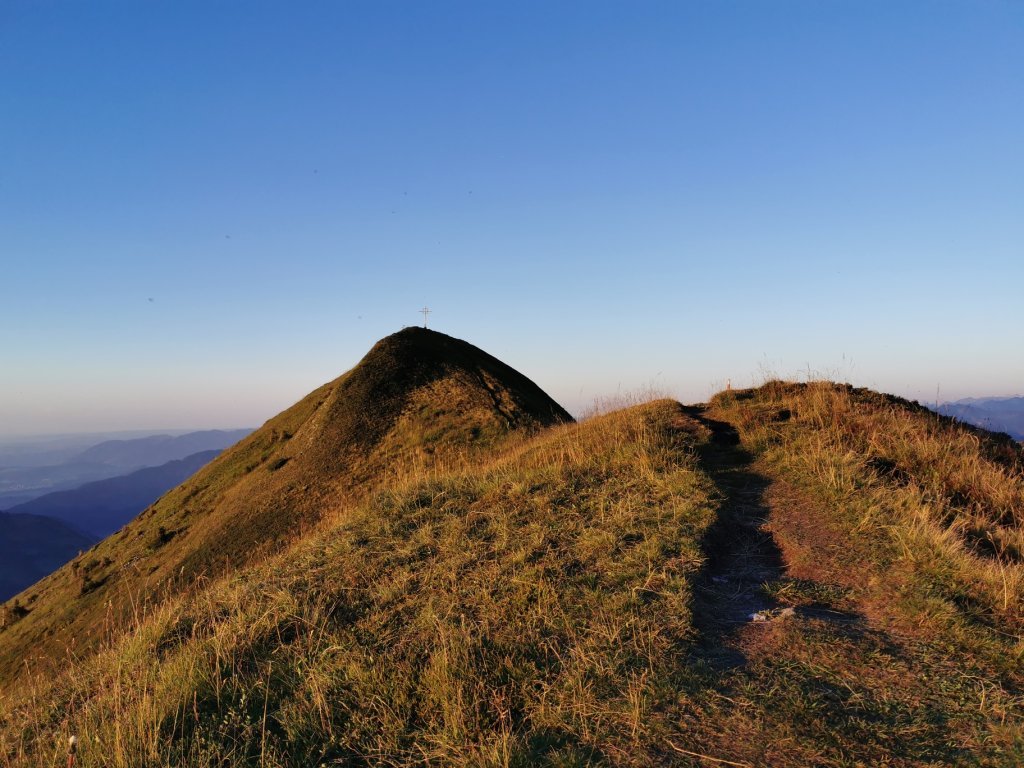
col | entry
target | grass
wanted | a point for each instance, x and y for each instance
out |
(416, 400)
(911, 488)
(906, 648)
(568, 597)
(533, 610)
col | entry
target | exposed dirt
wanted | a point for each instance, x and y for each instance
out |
(742, 555)
(745, 564)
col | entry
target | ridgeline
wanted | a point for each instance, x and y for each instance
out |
(427, 561)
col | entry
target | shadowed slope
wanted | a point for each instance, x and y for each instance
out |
(417, 398)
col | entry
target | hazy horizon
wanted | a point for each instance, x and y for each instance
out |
(114, 434)
(208, 210)
(577, 407)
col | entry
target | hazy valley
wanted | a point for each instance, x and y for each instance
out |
(32, 468)
(46, 529)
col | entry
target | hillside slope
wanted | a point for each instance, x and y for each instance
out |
(416, 398)
(797, 575)
(784, 577)
(101, 507)
(882, 546)
(545, 584)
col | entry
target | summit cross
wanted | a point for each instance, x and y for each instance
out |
(425, 311)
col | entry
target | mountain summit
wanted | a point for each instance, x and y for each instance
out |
(417, 398)
(421, 386)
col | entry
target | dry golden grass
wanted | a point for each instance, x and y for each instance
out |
(417, 399)
(946, 498)
(552, 599)
(532, 607)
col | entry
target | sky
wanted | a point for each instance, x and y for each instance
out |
(208, 209)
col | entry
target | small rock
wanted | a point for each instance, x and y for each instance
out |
(768, 615)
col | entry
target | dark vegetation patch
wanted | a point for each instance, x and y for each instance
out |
(12, 612)
(162, 536)
(887, 469)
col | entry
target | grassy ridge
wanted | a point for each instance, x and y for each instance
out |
(418, 398)
(904, 644)
(535, 608)
(571, 598)
(944, 499)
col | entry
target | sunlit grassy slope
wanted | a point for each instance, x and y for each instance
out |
(909, 495)
(534, 604)
(898, 533)
(580, 595)
(417, 399)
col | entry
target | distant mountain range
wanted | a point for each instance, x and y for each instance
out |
(997, 414)
(32, 547)
(159, 449)
(50, 450)
(55, 510)
(23, 478)
(99, 508)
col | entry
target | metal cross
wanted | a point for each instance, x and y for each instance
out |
(425, 311)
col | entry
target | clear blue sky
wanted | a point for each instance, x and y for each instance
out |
(209, 208)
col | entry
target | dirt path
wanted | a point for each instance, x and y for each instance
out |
(744, 559)
(742, 554)
(796, 673)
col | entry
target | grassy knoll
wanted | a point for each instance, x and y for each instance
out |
(418, 399)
